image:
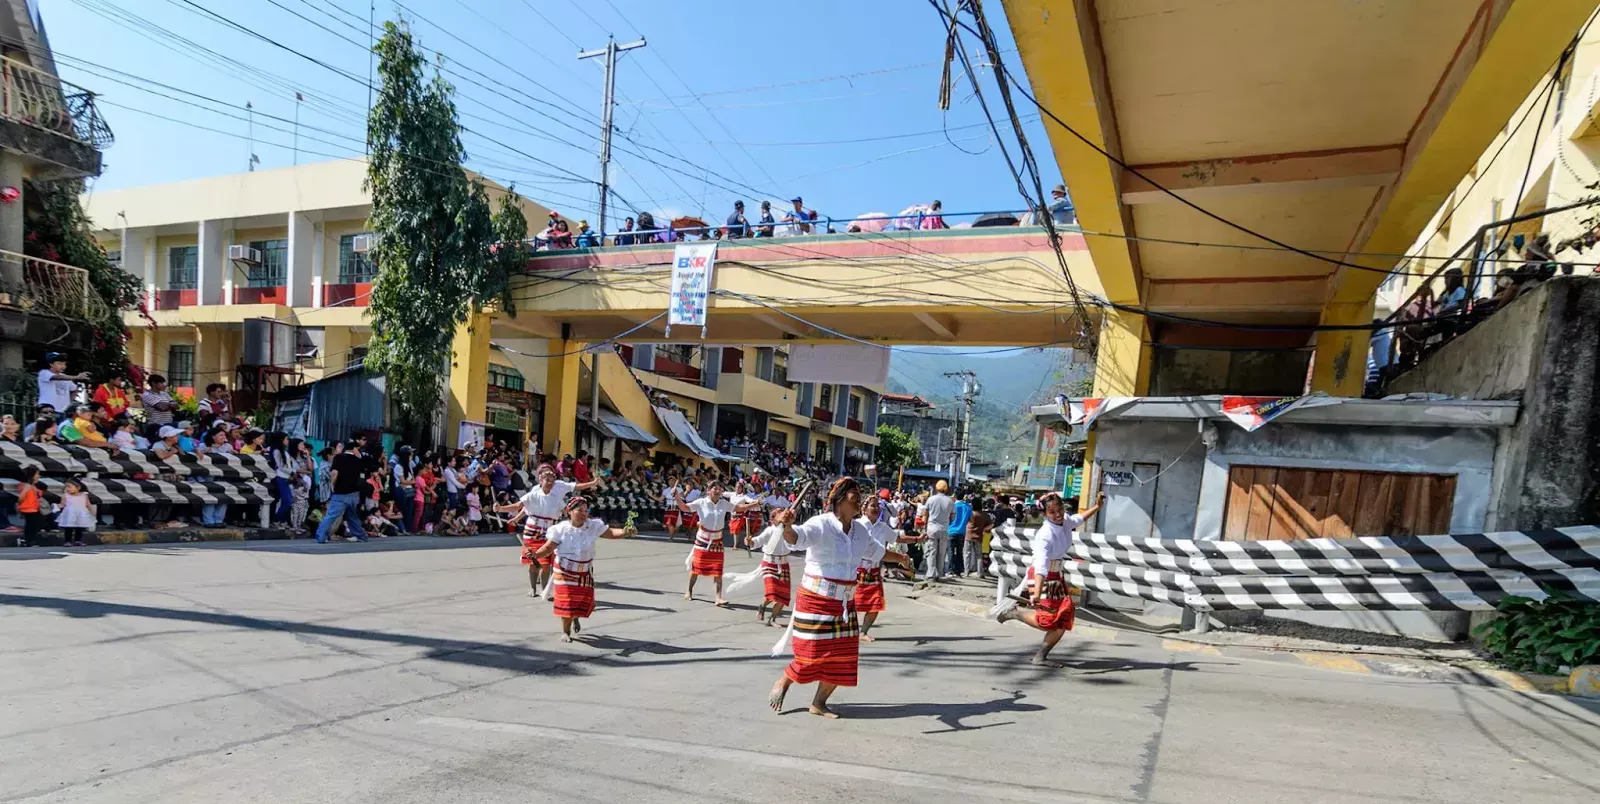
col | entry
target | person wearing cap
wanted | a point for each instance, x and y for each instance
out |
(569, 545)
(1061, 210)
(586, 237)
(767, 225)
(737, 226)
(55, 384)
(166, 443)
(799, 219)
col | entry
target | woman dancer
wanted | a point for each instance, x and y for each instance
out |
(869, 598)
(776, 584)
(705, 558)
(824, 628)
(571, 544)
(670, 496)
(542, 505)
(1053, 610)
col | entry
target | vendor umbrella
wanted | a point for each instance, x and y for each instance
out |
(686, 222)
(870, 222)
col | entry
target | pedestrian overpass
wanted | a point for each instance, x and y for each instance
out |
(1000, 286)
(1333, 126)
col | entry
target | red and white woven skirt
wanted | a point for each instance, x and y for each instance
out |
(672, 518)
(827, 637)
(533, 539)
(707, 556)
(748, 522)
(1055, 608)
(776, 585)
(869, 590)
(574, 589)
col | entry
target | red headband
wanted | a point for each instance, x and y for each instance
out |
(576, 501)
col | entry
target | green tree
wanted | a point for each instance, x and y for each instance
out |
(58, 230)
(433, 226)
(510, 251)
(897, 449)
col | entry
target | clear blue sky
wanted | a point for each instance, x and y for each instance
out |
(718, 51)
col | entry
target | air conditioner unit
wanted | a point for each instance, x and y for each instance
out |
(244, 254)
(362, 244)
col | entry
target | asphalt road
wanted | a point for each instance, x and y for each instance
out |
(418, 671)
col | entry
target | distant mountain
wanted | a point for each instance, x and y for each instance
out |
(1010, 382)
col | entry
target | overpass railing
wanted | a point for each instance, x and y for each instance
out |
(924, 221)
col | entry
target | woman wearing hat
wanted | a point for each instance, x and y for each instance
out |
(570, 546)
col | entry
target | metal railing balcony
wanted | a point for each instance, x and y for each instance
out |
(49, 288)
(36, 98)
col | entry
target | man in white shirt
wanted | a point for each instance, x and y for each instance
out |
(1053, 610)
(936, 548)
(55, 384)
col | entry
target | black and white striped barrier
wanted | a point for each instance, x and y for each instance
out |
(111, 490)
(140, 476)
(1363, 574)
(69, 459)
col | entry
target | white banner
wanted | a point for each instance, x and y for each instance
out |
(691, 284)
(847, 364)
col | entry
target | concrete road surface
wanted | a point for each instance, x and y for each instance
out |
(417, 671)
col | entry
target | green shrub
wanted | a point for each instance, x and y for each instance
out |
(1542, 636)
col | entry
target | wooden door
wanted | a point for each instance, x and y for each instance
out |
(1271, 502)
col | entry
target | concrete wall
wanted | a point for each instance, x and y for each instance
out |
(1189, 472)
(1543, 349)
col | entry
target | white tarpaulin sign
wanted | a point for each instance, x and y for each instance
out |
(841, 364)
(691, 285)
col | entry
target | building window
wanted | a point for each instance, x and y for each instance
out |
(826, 402)
(355, 357)
(273, 270)
(114, 258)
(505, 377)
(855, 406)
(183, 268)
(353, 265)
(180, 366)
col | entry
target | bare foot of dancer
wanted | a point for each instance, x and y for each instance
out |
(722, 603)
(775, 698)
(866, 638)
(823, 711)
(1041, 661)
(688, 596)
(577, 626)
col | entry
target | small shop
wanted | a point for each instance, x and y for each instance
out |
(510, 411)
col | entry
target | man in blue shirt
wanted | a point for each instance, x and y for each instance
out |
(1061, 210)
(737, 226)
(959, 518)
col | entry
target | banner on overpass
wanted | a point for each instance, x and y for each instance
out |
(691, 285)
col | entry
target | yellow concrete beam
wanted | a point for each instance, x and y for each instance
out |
(560, 434)
(1122, 367)
(1059, 42)
(469, 374)
(1212, 178)
(1339, 365)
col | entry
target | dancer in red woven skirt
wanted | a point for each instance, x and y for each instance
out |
(823, 628)
(543, 506)
(776, 584)
(869, 598)
(672, 516)
(1053, 611)
(570, 544)
(713, 512)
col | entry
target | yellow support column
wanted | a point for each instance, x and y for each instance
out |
(1339, 365)
(469, 374)
(560, 434)
(1122, 368)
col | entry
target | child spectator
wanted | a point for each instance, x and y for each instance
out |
(77, 514)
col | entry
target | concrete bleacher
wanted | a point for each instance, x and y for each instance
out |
(139, 477)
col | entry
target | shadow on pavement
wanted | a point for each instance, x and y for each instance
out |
(602, 605)
(950, 715)
(628, 647)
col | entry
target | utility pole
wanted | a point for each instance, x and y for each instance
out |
(961, 460)
(610, 51)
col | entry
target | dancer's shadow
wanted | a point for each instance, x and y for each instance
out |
(602, 605)
(919, 641)
(617, 587)
(628, 647)
(951, 715)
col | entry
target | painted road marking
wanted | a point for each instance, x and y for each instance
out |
(1189, 647)
(1333, 661)
(1008, 791)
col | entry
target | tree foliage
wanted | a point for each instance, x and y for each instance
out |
(510, 251)
(897, 449)
(59, 230)
(435, 234)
